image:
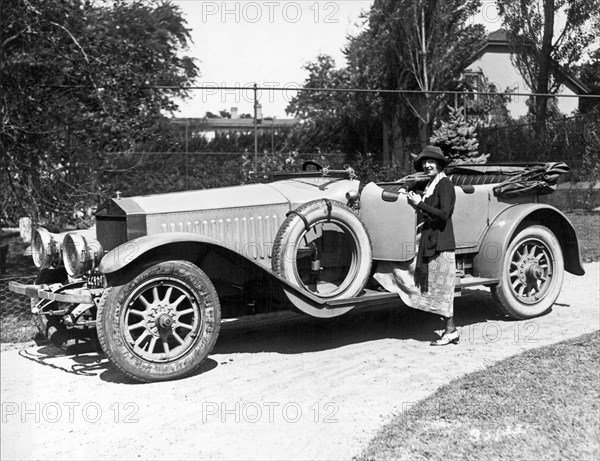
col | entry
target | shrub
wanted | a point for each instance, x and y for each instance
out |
(457, 138)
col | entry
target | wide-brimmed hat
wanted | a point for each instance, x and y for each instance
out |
(431, 152)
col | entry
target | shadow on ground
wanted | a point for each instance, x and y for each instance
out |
(311, 335)
(297, 336)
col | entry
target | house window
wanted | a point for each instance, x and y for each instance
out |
(474, 81)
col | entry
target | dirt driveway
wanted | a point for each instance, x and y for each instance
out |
(305, 390)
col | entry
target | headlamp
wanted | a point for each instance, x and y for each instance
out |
(80, 254)
(46, 248)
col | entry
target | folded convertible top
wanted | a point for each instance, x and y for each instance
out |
(540, 180)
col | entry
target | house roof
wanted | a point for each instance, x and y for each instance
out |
(499, 35)
(211, 124)
(495, 42)
(498, 42)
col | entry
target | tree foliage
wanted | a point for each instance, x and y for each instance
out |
(425, 45)
(589, 73)
(419, 45)
(489, 108)
(545, 35)
(457, 138)
(73, 82)
(334, 121)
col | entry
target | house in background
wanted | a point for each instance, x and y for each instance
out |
(493, 61)
(235, 125)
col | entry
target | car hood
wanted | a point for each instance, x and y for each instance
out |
(291, 192)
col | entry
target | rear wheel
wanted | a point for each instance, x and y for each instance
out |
(532, 274)
(162, 323)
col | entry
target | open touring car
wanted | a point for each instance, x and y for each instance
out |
(149, 284)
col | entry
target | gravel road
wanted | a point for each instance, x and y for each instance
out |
(303, 390)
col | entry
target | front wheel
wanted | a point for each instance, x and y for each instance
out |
(161, 324)
(532, 274)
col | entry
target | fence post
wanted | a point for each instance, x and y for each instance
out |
(566, 146)
(25, 229)
(255, 129)
(187, 184)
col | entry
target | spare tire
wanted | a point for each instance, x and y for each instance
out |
(324, 247)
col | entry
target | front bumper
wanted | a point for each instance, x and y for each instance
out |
(73, 295)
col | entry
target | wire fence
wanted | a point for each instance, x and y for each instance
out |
(16, 321)
(17, 324)
(244, 142)
(14, 305)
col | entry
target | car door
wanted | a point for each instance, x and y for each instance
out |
(391, 224)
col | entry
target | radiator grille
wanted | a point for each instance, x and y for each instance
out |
(111, 231)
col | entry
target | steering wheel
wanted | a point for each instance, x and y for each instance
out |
(308, 163)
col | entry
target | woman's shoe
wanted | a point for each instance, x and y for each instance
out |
(447, 338)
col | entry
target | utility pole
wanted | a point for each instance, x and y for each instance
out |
(255, 129)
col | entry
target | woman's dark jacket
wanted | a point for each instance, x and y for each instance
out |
(435, 212)
(434, 215)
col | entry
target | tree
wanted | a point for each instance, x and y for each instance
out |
(489, 109)
(419, 45)
(542, 42)
(337, 121)
(589, 74)
(425, 45)
(74, 78)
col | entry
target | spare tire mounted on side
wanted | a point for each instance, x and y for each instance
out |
(324, 247)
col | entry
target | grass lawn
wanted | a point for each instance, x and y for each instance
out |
(587, 225)
(17, 328)
(543, 404)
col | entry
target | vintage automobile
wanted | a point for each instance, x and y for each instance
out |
(149, 285)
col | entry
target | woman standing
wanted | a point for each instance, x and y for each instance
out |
(435, 269)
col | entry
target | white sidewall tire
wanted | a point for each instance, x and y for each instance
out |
(293, 229)
(504, 295)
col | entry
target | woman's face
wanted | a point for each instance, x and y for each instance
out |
(431, 167)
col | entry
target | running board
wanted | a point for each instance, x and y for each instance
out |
(366, 299)
(470, 281)
(315, 306)
(336, 307)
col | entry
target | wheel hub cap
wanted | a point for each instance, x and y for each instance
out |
(535, 272)
(160, 319)
(164, 321)
(531, 270)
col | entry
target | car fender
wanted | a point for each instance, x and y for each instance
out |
(494, 244)
(130, 251)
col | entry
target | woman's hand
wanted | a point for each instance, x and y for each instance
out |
(413, 199)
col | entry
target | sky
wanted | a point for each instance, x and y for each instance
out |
(241, 42)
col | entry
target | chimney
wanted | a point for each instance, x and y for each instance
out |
(234, 112)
